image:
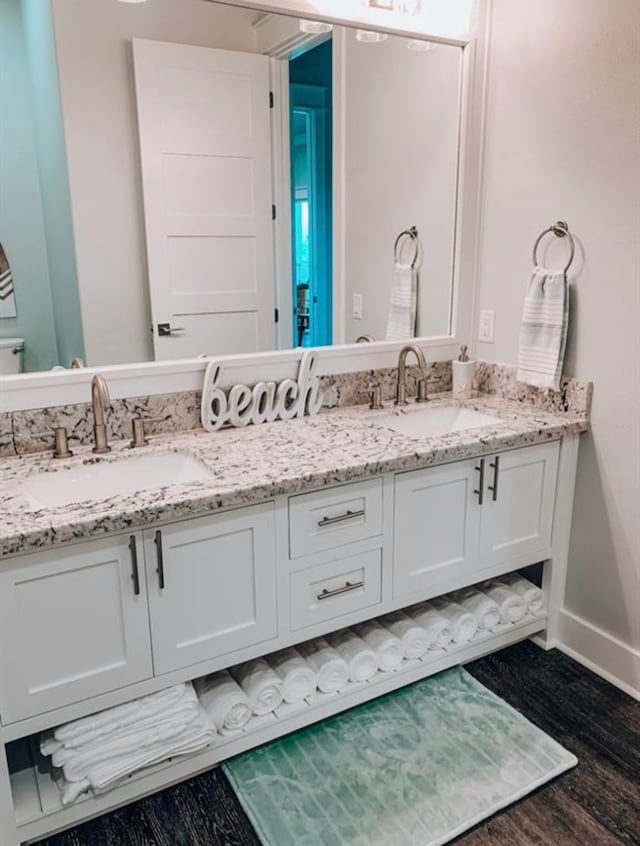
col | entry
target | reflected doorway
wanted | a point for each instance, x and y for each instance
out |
(310, 96)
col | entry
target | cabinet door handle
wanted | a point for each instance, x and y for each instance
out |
(346, 588)
(160, 568)
(480, 491)
(331, 521)
(135, 573)
(495, 466)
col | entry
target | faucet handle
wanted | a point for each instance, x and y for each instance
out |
(137, 429)
(375, 395)
(61, 443)
(422, 391)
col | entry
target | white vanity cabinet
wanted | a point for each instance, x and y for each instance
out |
(454, 521)
(74, 623)
(212, 586)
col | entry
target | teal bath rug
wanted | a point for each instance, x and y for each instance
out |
(414, 768)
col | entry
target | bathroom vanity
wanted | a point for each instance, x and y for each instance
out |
(293, 530)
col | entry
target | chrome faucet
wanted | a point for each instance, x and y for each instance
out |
(401, 397)
(99, 400)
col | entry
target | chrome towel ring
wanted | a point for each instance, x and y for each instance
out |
(412, 233)
(561, 230)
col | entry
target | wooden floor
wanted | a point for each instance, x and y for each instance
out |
(596, 804)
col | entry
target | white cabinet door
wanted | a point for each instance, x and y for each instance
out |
(74, 623)
(517, 514)
(212, 586)
(436, 526)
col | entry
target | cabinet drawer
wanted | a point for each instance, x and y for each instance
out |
(329, 591)
(328, 519)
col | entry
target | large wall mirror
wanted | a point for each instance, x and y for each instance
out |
(183, 177)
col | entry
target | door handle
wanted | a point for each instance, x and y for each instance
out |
(331, 521)
(159, 557)
(135, 573)
(480, 491)
(165, 330)
(495, 466)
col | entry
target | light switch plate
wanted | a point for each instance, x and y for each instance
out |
(357, 307)
(486, 327)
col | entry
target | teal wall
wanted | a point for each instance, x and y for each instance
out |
(22, 229)
(54, 182)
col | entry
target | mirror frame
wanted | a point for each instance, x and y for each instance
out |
(63, 387)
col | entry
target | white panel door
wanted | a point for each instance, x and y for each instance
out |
(517, 514)
(436, 527)
(212, 586)
(74, 623)
(205, 143)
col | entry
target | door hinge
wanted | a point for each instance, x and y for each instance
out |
(272, 100)
(276, 315)
(274, 213)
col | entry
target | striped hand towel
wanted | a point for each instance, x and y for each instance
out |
(543, 332)
(401, 322)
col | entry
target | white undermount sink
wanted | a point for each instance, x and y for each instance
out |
(432, 421)
(112, 478)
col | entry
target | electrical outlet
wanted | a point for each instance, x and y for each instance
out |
(486, 328)
(357, 307)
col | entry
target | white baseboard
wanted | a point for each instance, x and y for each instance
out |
(615, 661)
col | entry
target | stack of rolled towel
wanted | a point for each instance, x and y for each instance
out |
(97, 752)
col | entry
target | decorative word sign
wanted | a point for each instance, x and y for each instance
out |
(263, 403)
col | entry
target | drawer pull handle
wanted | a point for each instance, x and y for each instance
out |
(160, 568)
(135, 573)
(331, 521)
(495, 466)
(347, 588)
(480, 491)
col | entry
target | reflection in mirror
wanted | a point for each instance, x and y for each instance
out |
(146, 160)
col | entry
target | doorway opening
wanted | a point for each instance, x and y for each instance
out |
(311, 104)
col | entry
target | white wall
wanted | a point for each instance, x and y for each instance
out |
(98, 100)
(401, 139)
(564, 142)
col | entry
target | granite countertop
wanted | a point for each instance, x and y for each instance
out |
(260, 462)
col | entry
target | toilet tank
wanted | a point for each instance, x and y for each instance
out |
(11, 350)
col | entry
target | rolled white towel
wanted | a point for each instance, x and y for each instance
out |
(435, 624)
(512, 605)
(262, 685)
(485, 609)
(532, 594)
(413, 637)
(225, 702)
(387, 647)
(462, 622)
(361, 660)
(298, 677)
(331, 670)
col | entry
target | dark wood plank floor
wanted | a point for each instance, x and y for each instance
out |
(596, 804)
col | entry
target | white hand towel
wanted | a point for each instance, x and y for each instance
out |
(361, 660)
(543, 331)
(512, 605)
(225, 702)
(532, 594)
(261, 684)
(414, 639)
(401, 322)
(463, 624)
(483, 607)
(331, 670)
(436, 625)
(298, 678)
(387, 647)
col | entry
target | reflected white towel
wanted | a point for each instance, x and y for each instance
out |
(462, 622)
(262, 685)
(435, 624)
(331, 670)
(483, 607)
(512, 605)
(401, 322)
(413, 637)
(543, 331)
(387, 647)
(225, 702)
(298, 678)
(532, 594)
(361, 660)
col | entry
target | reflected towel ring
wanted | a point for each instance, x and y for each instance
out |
(561, 230)
(407, 233)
